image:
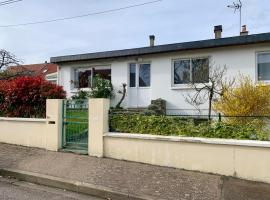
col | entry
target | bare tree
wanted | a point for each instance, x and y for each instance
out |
(123, 92)
(209, 90)
(7, 59)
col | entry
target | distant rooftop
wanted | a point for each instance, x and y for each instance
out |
(202, 44)
(42, 69)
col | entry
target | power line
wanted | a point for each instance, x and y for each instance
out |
(8, 2)
(80, 16)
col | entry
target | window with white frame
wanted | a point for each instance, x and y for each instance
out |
(139, 75)
(192, 70)
(263, 62)
(84, 76)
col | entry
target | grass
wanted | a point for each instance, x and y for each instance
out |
(77, 122)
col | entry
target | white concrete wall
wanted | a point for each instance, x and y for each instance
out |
(240, 158)
(41, 133)
(237, 59)
(243, 159)
(25, 132)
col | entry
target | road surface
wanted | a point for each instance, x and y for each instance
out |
(11, 189)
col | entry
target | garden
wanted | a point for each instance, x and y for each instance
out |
(242, 112)
(244, 109)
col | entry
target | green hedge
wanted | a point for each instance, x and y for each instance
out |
(167, 126)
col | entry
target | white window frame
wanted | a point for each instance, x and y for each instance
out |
(137, 74)
(257, 66)
(92, 74)
(185, 85)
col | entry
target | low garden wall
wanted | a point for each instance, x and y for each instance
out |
(243, 159)
(26, 132)
(240, 158)
(32, 132)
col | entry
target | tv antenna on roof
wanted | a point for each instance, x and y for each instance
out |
(237, 6)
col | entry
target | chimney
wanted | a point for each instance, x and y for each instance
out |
(152, 40)
(218, 31)
(244, 30)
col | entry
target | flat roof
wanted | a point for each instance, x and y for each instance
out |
(202, 44)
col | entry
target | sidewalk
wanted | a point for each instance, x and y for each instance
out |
(130, 177)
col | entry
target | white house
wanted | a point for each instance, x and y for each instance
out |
(164, 71)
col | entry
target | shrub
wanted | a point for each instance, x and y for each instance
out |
(26, 96)
(247, 99)
(80, 95)
(102, 88)
(165, 125)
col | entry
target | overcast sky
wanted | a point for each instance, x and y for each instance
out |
(170, 20)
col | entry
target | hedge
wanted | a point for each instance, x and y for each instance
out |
(169, 126)
(26, 96)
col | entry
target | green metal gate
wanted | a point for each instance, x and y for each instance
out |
(75, 125)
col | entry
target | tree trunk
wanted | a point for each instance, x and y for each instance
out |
(210, 104)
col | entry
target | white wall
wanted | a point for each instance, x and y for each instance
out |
(243, 159)
(237, 59)
(30, 132)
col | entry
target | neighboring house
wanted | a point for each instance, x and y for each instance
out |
(164, 71)
(46, 70)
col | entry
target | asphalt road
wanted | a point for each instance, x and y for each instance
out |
(11, 189)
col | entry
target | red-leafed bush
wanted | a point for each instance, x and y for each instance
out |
(26, 96)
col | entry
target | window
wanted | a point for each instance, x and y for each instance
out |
(263, 66)
(84, 77)
(132, 75)
(144, 74)
(194, 70)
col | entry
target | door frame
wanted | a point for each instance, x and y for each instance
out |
(137, 87)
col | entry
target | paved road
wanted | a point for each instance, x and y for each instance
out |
(11, 189)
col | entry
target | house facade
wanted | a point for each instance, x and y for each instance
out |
(165, 71)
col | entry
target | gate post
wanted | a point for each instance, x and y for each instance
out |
(98, 125)
(53, 135)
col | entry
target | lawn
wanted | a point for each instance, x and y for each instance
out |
(76, 123)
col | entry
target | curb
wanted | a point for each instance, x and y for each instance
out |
(70, 185)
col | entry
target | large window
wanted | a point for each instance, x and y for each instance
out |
(263, 66)
(195, 70)
(84, 77)
(143, 79)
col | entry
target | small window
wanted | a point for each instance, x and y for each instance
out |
(186, 71)
(264, 67)
(144, 75)
(132, 75)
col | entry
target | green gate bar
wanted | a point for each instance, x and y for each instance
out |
(75, 125)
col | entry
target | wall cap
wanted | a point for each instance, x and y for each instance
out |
(22, 119)
(233, 142)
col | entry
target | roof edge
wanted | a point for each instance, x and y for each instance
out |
(166, 48)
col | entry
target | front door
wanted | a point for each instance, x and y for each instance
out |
(139, 91)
